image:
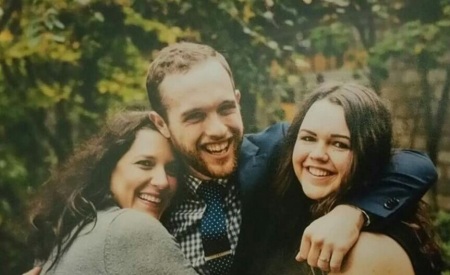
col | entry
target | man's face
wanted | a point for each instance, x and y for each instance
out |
(204, 119)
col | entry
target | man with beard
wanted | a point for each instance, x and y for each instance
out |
(192, 92)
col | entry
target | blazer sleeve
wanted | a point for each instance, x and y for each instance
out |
(409, 175)
(137, 243)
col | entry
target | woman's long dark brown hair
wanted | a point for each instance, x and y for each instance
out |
(80, 187)
(370, 127)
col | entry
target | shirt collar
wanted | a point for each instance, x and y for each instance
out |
(194, 183)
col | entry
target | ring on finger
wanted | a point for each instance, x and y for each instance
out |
(326, 260)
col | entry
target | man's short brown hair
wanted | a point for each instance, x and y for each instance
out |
(178, 58)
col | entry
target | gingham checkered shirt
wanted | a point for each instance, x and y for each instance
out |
(184, 221)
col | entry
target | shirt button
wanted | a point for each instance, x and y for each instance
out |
(391, 203)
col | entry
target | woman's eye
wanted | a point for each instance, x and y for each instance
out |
(341, 145)
(307, 138)
(146, 163)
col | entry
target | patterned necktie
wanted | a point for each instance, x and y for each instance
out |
(213, 228)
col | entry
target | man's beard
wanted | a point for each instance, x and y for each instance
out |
(193, 159)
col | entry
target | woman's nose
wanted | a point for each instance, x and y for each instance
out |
(319, 152)
(159, 178)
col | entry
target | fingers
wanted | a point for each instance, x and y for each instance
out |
(313, 256)
(319, 253)
(305, 245)
(336, 260)
(328, 239)
(312, 250)
(324, 259)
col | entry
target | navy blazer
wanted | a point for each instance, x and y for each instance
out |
(256, 168)
(408, 178)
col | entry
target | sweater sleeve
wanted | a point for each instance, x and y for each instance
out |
(137, 243)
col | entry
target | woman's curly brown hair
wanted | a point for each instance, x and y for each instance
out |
(80, 187)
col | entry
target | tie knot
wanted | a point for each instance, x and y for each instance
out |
(211, 190)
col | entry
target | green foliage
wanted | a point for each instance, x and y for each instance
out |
(414, 38)
(442, 225)
(410, 41)
(331, 40)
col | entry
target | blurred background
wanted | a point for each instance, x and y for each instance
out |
(64, 64)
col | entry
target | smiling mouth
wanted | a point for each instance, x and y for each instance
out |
(318, 172)
(217, 148)
(149, 198)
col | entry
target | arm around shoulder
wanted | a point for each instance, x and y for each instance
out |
(415, 166)
(137, 243)
(376, 254)
(409, 175)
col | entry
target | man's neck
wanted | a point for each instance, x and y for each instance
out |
(203, 177)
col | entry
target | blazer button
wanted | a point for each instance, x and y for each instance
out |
(391, 203)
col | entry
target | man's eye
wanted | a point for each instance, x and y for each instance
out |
(194, 117)
(227, 109)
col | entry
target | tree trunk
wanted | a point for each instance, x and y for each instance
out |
(435, 135)
(426, 103)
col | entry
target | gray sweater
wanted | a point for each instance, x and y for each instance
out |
(123, 241)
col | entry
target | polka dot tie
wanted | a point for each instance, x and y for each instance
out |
(214, 229)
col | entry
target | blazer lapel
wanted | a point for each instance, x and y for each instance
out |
(250, 164)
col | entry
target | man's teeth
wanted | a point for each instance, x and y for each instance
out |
(150, 198)
(318, 172)
(217, 147)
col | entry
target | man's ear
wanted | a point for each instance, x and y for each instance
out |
(159, 123)
(237, 94)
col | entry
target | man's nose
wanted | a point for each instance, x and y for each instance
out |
(215, 126)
